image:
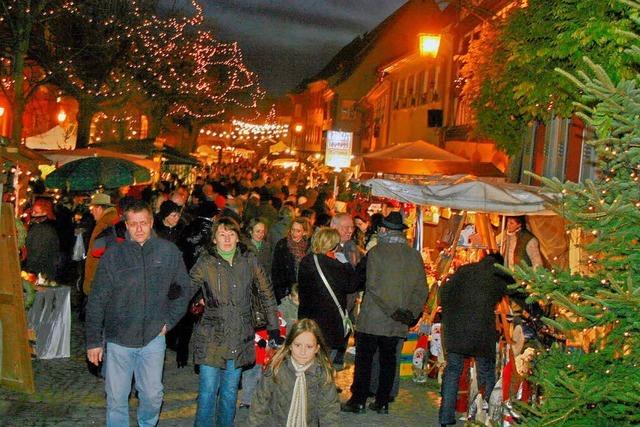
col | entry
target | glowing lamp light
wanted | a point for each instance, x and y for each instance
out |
(1, 111)
(429, 44)
(62, 116)
(298, 128)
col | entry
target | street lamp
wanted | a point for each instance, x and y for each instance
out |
(429, 44)
(62, 116)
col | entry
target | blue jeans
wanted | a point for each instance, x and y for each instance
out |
(146, 364)
(217, 387)
(486, 371)
(250, 378)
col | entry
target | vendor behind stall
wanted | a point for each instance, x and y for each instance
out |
(518, 244)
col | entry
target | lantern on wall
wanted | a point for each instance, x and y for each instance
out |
(429, 44)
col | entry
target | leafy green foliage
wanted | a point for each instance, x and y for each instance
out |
(509, 69)
(598, 382)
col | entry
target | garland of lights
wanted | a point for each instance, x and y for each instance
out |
(174, 60)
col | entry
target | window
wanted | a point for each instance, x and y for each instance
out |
(420, 88)
(588, 169)
(411, 83)
(144, 127)
(555, 148)
(347, 110)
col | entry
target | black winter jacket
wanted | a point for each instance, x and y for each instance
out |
(226, 330)
(468, 302)
(283, 270)
(43, 249)
(130, 293)
(193, 240)
(315, 300)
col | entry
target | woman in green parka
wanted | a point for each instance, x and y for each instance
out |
(223, 340)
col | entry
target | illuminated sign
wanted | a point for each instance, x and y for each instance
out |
(339, 145)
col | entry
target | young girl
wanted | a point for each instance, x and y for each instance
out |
(297, 389)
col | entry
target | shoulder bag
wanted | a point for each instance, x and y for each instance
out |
(347, 325)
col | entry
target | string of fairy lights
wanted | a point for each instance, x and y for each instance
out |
(174, 60)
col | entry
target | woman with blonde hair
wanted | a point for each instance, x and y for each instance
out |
(297, 388)
(323, 285)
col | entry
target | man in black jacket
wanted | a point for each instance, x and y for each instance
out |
(468, 299)
(130, 300)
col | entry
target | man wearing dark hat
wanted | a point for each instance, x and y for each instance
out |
(168, 224)
(396, 290)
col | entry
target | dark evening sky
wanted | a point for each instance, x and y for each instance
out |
(285, 41)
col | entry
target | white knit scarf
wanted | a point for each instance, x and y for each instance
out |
(298, 410)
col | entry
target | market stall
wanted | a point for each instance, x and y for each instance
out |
(419, 158)
(437, 197)
(456, 220)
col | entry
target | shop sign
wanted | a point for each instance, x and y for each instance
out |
(339, 146)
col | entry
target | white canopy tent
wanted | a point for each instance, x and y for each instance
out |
(468, 193)
(56, 138)
(278, 147)
(465, 193)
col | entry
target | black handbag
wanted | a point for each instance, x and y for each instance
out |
(258, 311)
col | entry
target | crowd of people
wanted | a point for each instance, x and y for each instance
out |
(181, 267)
(190, 267)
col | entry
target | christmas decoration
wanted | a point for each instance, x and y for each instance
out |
(592, 377)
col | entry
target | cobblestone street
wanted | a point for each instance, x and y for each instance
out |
(67, 395)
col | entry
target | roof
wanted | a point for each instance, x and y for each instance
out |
(420, 16)
(23, 156)
(148, 148)
(415, 150)
(466, 193)
(424, 159)
(61, 157)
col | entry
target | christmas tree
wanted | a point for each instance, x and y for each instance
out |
(593, 378)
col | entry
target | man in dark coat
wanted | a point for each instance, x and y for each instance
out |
(43, 245)
(395, 293)
(468, 299)
(129, 306)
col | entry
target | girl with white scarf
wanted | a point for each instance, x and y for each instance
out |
(297, 390)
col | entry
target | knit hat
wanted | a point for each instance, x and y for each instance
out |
(167, 208)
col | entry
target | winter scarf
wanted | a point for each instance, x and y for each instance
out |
(258, 244)
(297, 249)
(227, 255)
(392, 236)
(298, 410)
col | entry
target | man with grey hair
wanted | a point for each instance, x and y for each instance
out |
(343, 222)
(347, 252)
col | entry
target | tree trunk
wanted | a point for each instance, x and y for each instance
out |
(189, 144)
(86, 109)
(156, 114)
(19, 100)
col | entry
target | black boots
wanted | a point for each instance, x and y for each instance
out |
(356, 408)
(381, 409)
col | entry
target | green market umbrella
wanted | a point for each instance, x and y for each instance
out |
(92, 173)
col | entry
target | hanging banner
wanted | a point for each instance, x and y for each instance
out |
(339, 146)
